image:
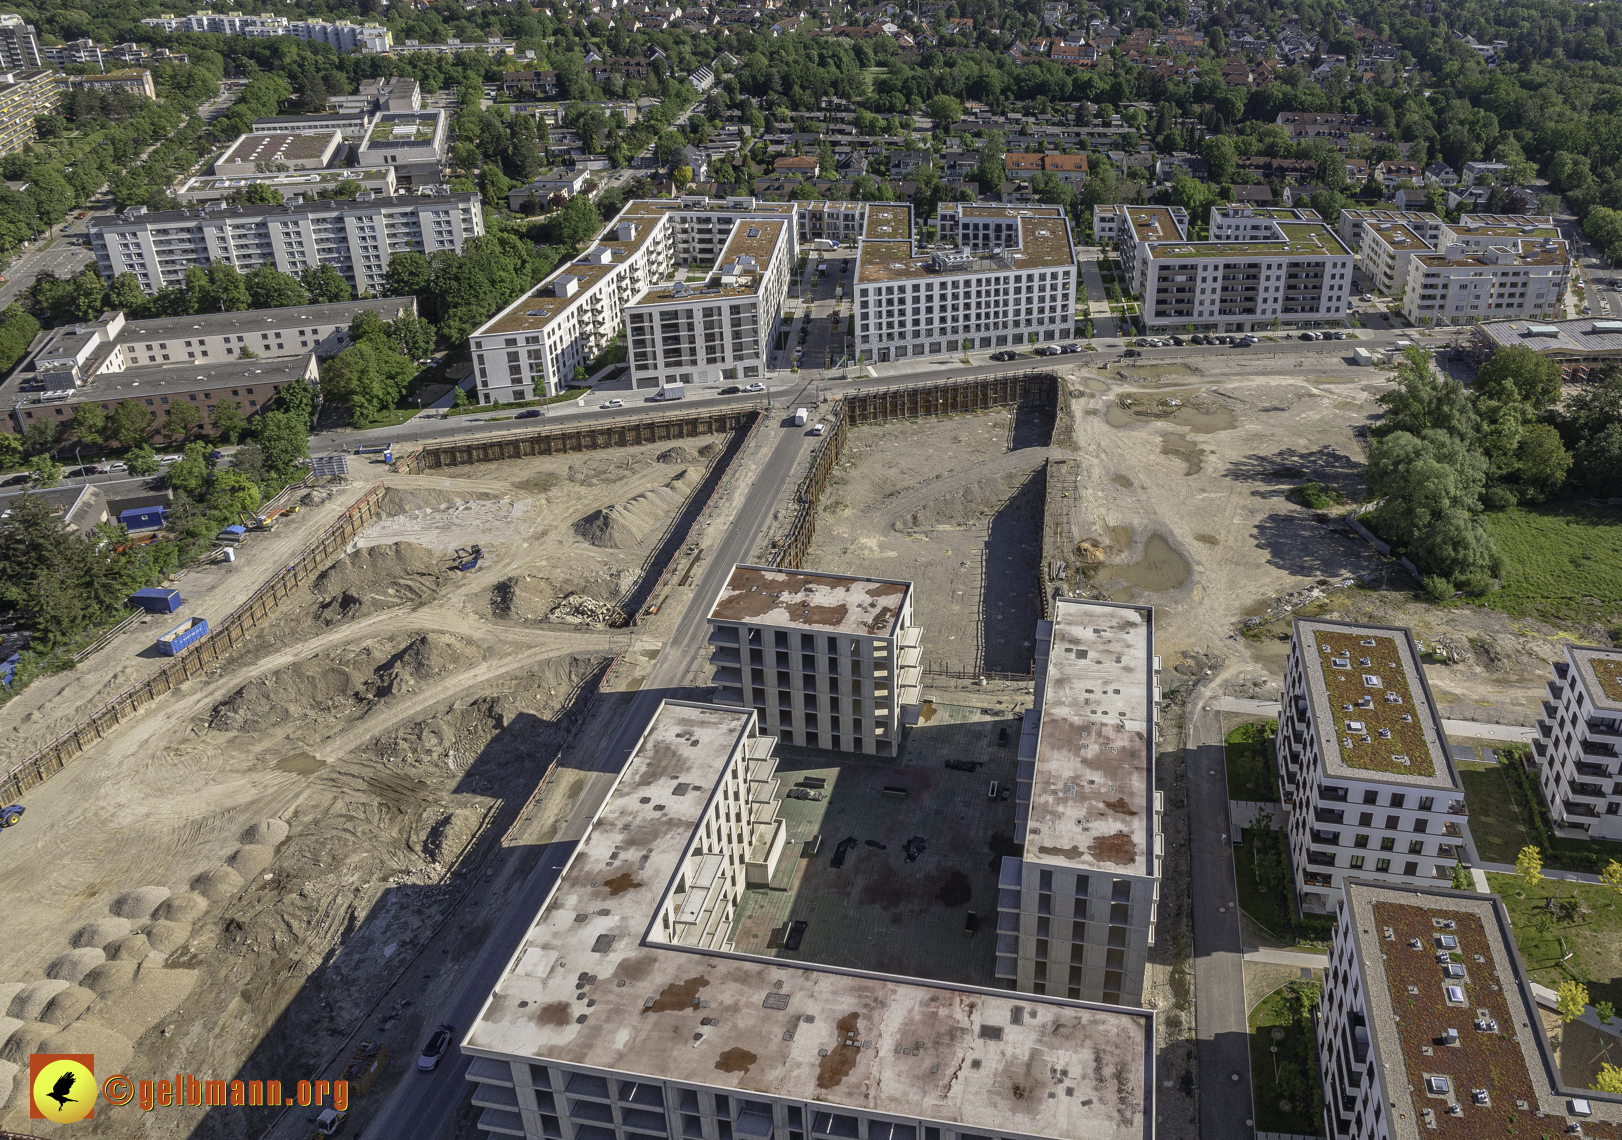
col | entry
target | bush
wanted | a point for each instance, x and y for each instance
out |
(1438, 587)
(1314, 497)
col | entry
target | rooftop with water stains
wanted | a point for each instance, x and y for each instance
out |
(830, 603)
(1092, 790)
(595, 985)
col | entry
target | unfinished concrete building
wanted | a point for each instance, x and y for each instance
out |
(825, 660)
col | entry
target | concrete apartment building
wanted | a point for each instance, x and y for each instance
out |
(1076, 914)
(1516, 277)
(356, 238)
(342, 35)
(19, 44)
(1353, 223)
(23, 95)
(1428, 1025)
(535, 344)
(278, 153)
(835, 221)
(133, 80)
(1369, 786)
(1576, 746)
(1383, 257)
(832, 659)
(1238, 221)
(627, 1015)
(1011, 280)
(414, 143)
(305, 183)
(400, 93)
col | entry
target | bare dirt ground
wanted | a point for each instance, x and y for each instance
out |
(226, 885)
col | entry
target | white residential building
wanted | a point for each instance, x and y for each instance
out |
(341, 36)
(832, 659)
(1370, 790)
(19, 44)
(1077, 912)
(626, 1014)
(413, 143)
(1353, 224)
(355, 237)
(1578, 737)
(1011, 280)
(1428, 1025)
(1383, 258)
(1513, 277)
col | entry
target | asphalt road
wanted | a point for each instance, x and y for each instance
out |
(64, 258)
(1221, 1029)
(425, 1106)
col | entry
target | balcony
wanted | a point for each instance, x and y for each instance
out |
(1320, 858)
(1329, 815)
(1596, 748)
(1585, 768)
(1578, 808)
(1589, 791)
(1599, 726)
(1551, 710)
(1545, 729)
(1332, 838)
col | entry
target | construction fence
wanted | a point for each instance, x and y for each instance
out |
(223, 638)
(571, 440)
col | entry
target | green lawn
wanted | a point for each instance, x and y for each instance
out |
(1592, 939)
(1248, 750)
(390, 417)
(1286, 1085)
(1502, 822)
(1564, 562)
(1264, 906)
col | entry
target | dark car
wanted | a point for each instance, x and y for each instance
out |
(1131, 352)
(1072, 347)
(434, 1052)
(731, 390)
(528, 414)
(1005, 355)
(1178, 341)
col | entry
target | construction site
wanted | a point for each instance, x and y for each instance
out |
(312, 827)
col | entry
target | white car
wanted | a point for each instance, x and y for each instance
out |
(1368, 296)
(614, 404)
(755, 387)
(170, 458)
(112, 467)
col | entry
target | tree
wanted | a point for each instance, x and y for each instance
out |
(63, 582)
(230, 291)
(1221, 159)
(325, 284)
(182, 420)
(944, 110)
(1611, 877)
(415, 337)
(407, 275)
(89, 422)
(1518, 373)
(129, 423)
(11, 451)
(271, 289)
(1462, 879)
(229, 422)
(126, 295)
(1431, 491)
(1609, 1079)
(991, 172)
(284, 437)
(41, 435)
(142, 460)
(1424, 400)
(1529, 866)
(46, 471)
(682, 176)
(576, 223)
(191, 473)
(1571, 1000)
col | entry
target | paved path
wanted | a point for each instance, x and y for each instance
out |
(1272, 957)
(1103, 323)
(1221, 1029)
(1476, 729)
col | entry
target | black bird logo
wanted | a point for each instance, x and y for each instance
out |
(59, 1091)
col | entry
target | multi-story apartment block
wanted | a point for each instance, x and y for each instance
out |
(412, 142)
(1010, 281)
(357, 238)
(1369, 786)
(1476, 232)
(278, 153)
(825, 660)
(309, 183)
(1428, 1025)
(1383, 257)
(1353, 223)
(399, 93)
(78, 53)
(1238, 221)
(833, 221)
(1299, 277)
(1578, 737)
(340, 36)
(535, 344)
(1133, 229)
(19, 44)
(1077, 912)
(23, 95)
(1514, 277)
(626, 1013)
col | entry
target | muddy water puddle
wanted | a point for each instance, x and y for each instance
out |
(300, 763)
(1160, 568)
(1121, 481)
(1184, 448)
(1186, 407)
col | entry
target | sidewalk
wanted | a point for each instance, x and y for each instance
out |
(1097, 298)
(1271, 957)
(1479, 730)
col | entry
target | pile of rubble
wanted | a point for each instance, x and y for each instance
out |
(579, 609)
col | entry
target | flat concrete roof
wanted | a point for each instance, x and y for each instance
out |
(235, 214)
(289, 146)
(154, 383)
(594, 985)
(1501, 1045)
(1301, 239)
(1397, 236)
(809, 599)
(1585, 336)
(1601, 671)
(1371, 704)
(1092, 792)
(757, 238)
(1043, 243)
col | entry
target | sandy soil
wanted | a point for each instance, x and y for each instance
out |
(286, 825)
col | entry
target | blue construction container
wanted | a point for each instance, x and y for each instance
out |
(142, 518)
(8, 669)
(157, 601)
(181, 636)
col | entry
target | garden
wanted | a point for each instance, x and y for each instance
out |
(1507, 813)
(1248, 753)
(1566, 931)
(1285, 1083)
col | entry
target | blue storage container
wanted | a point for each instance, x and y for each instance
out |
(180, 637)
(142, 518)
(156, 601)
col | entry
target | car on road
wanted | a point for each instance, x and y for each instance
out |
(1178, 341)
(1004, 356)
(819, 429)
(434, 1052)
(755, 387)
(528, 414)
(1368, 296)
(1338, 334)
(613, 404)
(1309, 336)
(81, 214)
(13, 480)
(1244, 342)
(81, 472)
(116, 468)
(1131, 352)
(178, 458)
(730, 390)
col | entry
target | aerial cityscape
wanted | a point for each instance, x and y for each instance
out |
(811, 571)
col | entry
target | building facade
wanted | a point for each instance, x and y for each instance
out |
(414, 143)
(23, 95)
(19, 44)
(1076, 913)
(626, 1015)
(836, 667)
(1578, 737)
(1383, 257)
(1518, 277)
(1353, 223)
(1429, 1025)
(357, 238)
(1368, 783)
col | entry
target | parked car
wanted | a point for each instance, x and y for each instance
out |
(1049, 350)
(614, 404)
(117, 467)
(1131, 352)
(1178, 341)
(1308, 336)
(1004, 356)
(529, 414)
(757, 386)
(731, 390)
(434, 1052)
(1368, 296)
(1072, 347)
(1339, 334)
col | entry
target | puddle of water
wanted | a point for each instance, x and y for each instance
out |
(1181, 447)
(1093, 384)
(1120, 537)
(300, 764)
(1208, 539)
(1122, 595)
(1121, 481)
(1151, 406)
(1117, 416)
(1348, 406)
(1160, 568)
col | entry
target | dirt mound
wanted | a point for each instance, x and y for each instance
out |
(959, 509)
(101, 932)
(75, 964)
(624, 525)
(404, 500)
(308, 686)
(428, 656)
(678, 455)
(378, 578)
(711, 450)
(578, 609)
(139, 903)
(606, 467)
(535, 598)
(267, 832)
